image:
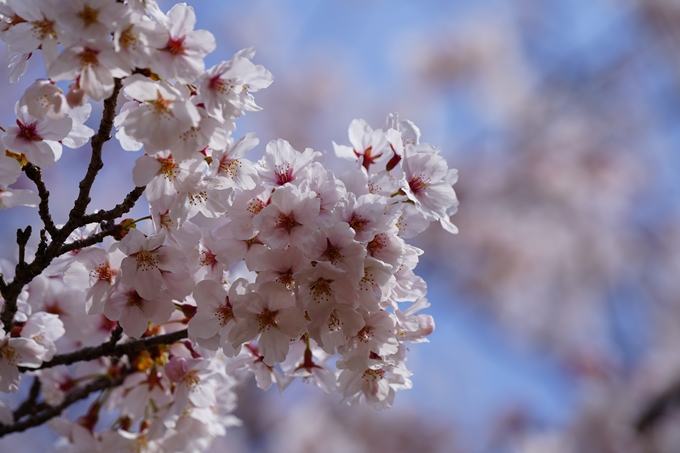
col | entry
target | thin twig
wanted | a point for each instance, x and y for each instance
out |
(102, 136)
(658, 408)
(49, 412)
(22, 240)
(35, 174)
(109, 349)
(29, 404)
(120, 209)
(115, 335)
(47, 252)
(82, 243)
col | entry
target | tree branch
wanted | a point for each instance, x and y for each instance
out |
(111, 349)
(102, 136)
(657, 408)
(120, 209)
(46, 253)
(82, 243)
(49, 412)
(35, 174)
(30, 403)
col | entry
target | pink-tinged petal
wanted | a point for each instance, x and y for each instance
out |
(10, 198)
(148, 283)
(128, 269)
(28, 352)
(77, 276)
(9, 170)
(276, 296)
(155, 240)
(113, 308)
(209, 295)
(325, 379)
(182, 19)
(9, 377)
(97, 82)
(132, 242)
(291, 321)
(307, 210)
(96, 297)
(263, 376)
(170, 259)
(133, 321)
(146, 168)
(141, 89)
(54, 129)
(158, 311)
(273, 346)
(92, 257)
(200, 42)
(246, 329)
(43, 154)
(204, 324)
(177, 368)
(202, 395)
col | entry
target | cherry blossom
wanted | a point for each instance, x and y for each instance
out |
(278, 268)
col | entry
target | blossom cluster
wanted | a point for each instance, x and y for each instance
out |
(277, 267)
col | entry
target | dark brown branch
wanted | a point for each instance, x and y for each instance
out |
(115, 335)
(120, 209)
(35, 174)
(110, 349)
(30, 403)
(49, 412)
(22, 240)
(102, 136)
(658, 408)
(47, 252)
(82, 243)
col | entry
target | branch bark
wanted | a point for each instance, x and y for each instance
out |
(48, 412)
(111, 349)
(658, 408)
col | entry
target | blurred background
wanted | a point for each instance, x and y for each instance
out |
(558, 303)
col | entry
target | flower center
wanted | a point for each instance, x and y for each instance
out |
(9, 354)
(332, 253)
(224, 313)
(373, 374)
(418, 183)
(287, 222)
(28, 132)
(208, 259)
(43, 29)
(175, 46)
(334, 323)
(88, 16)
(134, 299)
(218, 84)
(168, 167)
(283, 174)
(377, 244)
(103, 273)
(286, 279)
(266, 319)
(145, 260)
(161, 106)
(321, 290)
(255, 206)
(88, 57)
(230, 168)
(358, 223)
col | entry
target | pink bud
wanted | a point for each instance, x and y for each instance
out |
(176, 369)
(425, 325)
(75, 96)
